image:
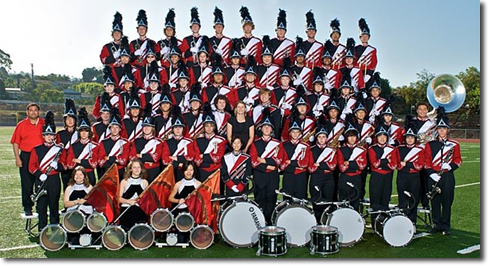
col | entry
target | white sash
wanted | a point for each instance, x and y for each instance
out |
(150, 146)
(213, 145)
(284, 49)
(326, 155)
(48, 157)
(314, 53)
(413, 154)
(271, 146)
(251, 48)
(299, 152)
(117, 148)
(355, 153)
(182, 147)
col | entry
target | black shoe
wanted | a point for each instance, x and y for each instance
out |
(447, 233)
(28, 211)
(432, 230)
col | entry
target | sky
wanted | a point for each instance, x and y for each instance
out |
(64, 37)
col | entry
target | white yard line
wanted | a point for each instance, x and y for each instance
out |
(419, 235)
(457, 186)
(469, 249)
(10, 197)
(19, 247)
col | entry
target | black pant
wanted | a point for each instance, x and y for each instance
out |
(424, 188)
(65, 177)
(295, 184)
(26, 181)
(325, 184)
(441, 203)
(409, 182)
(362, 191)
(336, 175)
(380, 186)
(346, 192)
(265, 186)
(91, 177)
(51, 199)
(153, 173)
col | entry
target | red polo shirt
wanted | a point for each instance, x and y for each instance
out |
(28, 135)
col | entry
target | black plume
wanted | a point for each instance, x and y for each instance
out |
(351, 43)
(107, 70)
(153, 67)
(170, 15)
(236, 44)
(49, 119)
(218, 14)
(125, 43)
(251, 61)
(206, 108)
(105, 98)
(281, 17)
(148, 110)
(176, 112)
(134, 93)
(335, 23)
(350, 118)
(310, 19)
(408, 121)
(244, 13)
(363, 24)
(117, 20)
(333, 93)
(299, 42)
(321, 121)
(194, 13)
(266, 41)
(142, 16)
(300, 90)
(166, 87)
(173, 41)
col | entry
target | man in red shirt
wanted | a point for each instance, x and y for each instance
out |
(27, 135)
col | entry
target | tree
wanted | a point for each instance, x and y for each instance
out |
(3, 92)
(93, 88)
(5, 60)
(52, 96)
(415, 92)
(90, 74)
(471, 81)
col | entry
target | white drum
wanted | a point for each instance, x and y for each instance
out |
(298, 220)
(349, 223)
(396, 229)
(240, 223)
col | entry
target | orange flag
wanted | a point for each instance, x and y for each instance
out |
(104, 195)
(199, 201)
(157, 193)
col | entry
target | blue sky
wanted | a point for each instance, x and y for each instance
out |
(66, 36)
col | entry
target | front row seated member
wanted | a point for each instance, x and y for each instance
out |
(236, 169)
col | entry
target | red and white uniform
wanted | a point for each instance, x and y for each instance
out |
(331, 79)
(281, 49)
(116, 101)
(250, 46)
(314, 53)
(413, 156)
(268, 75)
(356, 156)
(182, 148)
(383, 158)
(366, 61)
(436, 152)
(222, 46)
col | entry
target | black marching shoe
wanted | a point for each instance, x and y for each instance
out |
(432, 230)
(28, 211)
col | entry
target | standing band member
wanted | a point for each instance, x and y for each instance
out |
(192, 43)
(313, 48)
(67, 136)
(281, 46)
(365, 53)
(27, 135)
(110, 52)
(132, 122)
(250, 45)
(236, 169)
(375, 103)
(140, 46)
(169, 41)
(220, 44)
(334, 47)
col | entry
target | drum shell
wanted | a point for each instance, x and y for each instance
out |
(272, 241)
(324, 242)
(120, 232)
(298, 224)
(202, 231)
(156, 216)
(93, 222)
(73, 221)
(355, 229)
(45, 242)
(396, 229)
(146, 229)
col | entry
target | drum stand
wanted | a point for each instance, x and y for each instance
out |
(29, 225)
(73, 247)
(426, 218)
(161, 245)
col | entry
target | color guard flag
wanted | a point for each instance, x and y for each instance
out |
(157, 193)
(104, 196)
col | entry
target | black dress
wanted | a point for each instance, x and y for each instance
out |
(241, 129)
(134, 214)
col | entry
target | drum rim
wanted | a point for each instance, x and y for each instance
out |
(398, 215)
(313, 230)
(64, 240)
(282, 231)
(92, 215)
(285, 244)
(205, 227)
(293, 205)
(125, 240)
(138, 225)
(354, 242)
(187, 214)
(170, 215)
(220, 225)
(276, 213)
(85, 235)
(84, 222)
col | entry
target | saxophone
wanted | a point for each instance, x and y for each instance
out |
(435, 190)
(335, 141)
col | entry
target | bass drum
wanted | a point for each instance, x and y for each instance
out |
(114, 237)
(349, 223)
(396, 229)
(240, 222)
(96, 222)
(202, 237)
(73, 221)
(53, 237)
(161, 220)
(141, 236)
(297, 219)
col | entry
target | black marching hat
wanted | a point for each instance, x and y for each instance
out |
(105, 102)
(207, 114)
(49, 127)
(134, 99)
(108, 78)
(153, 72)
(142, 20)
(218, 16)
(266, 46)
(165, 96)
(321, 126)
(266, 118)
(235, 49)
(124, 47)
(281, 20)
(195, 16)
(170, 19)
(251, 66)
(300, 51)
(442, 118)
(194, 93)
(70, 109)
(310, 21)
(83, 120)
(410, 128)
(363, 27)
(177, 119)
(117, 25)
(335, 27)
(246, 17)
(350, 48)
(115, 117)
(148, 119)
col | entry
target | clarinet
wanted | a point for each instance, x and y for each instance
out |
(40, 191)
(435, 190)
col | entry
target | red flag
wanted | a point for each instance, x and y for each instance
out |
(104, 197)
(157, 193)
(199, 201)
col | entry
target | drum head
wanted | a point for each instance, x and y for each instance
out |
(202, 237)
(73, 221)
(239, 224)
(325, 229)
(52, 237)
(141, 236)
(297, 220)
(114, 237)
(96, 222)
(162, 220)
(398, 231)
(349, 224)
(184, 222)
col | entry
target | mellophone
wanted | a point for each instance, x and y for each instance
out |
(241, 224)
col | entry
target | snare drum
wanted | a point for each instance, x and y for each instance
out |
(349, 223)
(202, 237)
(324, 240)
(96, 222)
(184, 222)
(161, 219)
(297, 219)
(240, 222)
(396, 229)
(141, 236)
(272, 241)
(53, 237)
(73, 221)
(114, 237)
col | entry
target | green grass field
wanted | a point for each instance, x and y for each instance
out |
(14, 242)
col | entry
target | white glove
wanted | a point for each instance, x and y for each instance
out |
(364, 95)
(446, 166)
(297, 82)
(193, 50)
(234, 188)
(369, 140)
(165, 50)
(218, 50)
(435, 177)
(54, 165)
(116, 54)
(138, 52)
(43, 177)
(244, 52)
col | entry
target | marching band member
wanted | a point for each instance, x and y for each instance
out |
(221, 114)
(163, 122)
(128, 82)
(266, 153)
(281, 46)
(176, 64)
(113, 149)
(351, 160)
(165, 45)
(101, 129)
(346, 101)
(334, 47)
(242, 126)
(412, 160)
(147, 148)
(374, 103)
(321, 167)
(133, 184)
(110, 95)
(250, 45)
(67, 136)
(110, 52)
(177, 149)
(132, 128)
(273, 111)
(217, 87)
(233, 71)
(384, 160)
(302, 75)
(201, 70)
(145, 69)
(209, 148)
(123, 70)
(334, 124)
(313, 48)
(267, 71)
(318, 98)
(248, 92)
(365, 53)
(139, 46)
(395, 131)
(83, 152)
(298, 153)
(152, 96)
(192, 43)
(180, 93)
(284, 94)
(220, 44)
(306, 122)
(442, 158)
(350, 69)
(45, 163)
(193, 118)
(331, 77)
(236, 169)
